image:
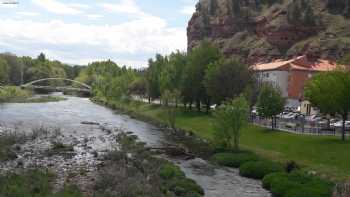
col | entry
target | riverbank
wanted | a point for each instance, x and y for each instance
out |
(327, 156)
(70, 166)
(14, 94)
(87, 139)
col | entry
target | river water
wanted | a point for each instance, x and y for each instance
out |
(68, 115)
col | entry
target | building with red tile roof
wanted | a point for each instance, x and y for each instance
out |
(290, 76)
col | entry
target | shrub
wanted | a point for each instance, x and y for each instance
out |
(176, 181)
(169, 171)
(29, 183)
(13, 94)
(7, 154)
(69, 191)
(259, 169)
(60, 148)
(291, 166)
(184, 186)
(234, 159)
(298, 184)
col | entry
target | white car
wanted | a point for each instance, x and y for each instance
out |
(339, 124)
(291, 115)
(283, 114)
(314, 118)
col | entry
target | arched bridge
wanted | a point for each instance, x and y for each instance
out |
(86, 88)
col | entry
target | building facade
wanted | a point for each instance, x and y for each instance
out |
(291, 76)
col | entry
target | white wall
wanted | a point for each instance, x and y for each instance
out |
(277, 78)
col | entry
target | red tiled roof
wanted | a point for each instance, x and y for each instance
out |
(298, 63)
(276, 65)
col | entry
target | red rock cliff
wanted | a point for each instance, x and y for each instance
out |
(258, 32)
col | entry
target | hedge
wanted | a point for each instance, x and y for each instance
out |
(176, 181)
(259, 169)
(234, 159)
(298, 184)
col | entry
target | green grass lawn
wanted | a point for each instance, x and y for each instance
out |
(329, 156)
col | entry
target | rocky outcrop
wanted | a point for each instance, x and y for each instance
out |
(259, 32)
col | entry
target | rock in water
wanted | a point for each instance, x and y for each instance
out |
(90, 123)
(198, 163)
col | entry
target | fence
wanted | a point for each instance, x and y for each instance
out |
(302, 127)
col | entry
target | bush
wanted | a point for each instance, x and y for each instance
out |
(234, 159)
(176, 181)
(298, 184)
(185, 186)
(259, 169)
(13, 94)
(29, 183)
(69, 191)
(291, 166)
(169, 171)
(59, 148)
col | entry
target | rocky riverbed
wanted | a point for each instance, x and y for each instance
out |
(77, 150)
(73, 158)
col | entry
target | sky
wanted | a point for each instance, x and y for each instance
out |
(128, 32)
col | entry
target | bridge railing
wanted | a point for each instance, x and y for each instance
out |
(57, 79)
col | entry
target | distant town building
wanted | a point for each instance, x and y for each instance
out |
(307, 109)
(290, 76)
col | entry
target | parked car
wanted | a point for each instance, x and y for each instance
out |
(334, 120)
(283, 114)
(314, 118)
(292, 115)
(322, 123)
(339, 124)
(300, 116)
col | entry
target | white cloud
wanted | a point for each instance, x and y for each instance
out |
(57, 7)
(28, 13)
(131, 42)
(188, 10)
(79, 5)
(143, 36)
(124, 7)
(94, 16)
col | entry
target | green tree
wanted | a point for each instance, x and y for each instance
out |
(229, 121)
(226, 79)
(108, 79)
(172, 71)
(153, 76)
(198, 61)
(187, 88)
(15, 68)
(270, 103)
(330, 92)
(138, 86)
(4, 72)
(119, 85)
(169, 98)
(41, 57)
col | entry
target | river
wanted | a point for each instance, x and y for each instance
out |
(68, 116)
